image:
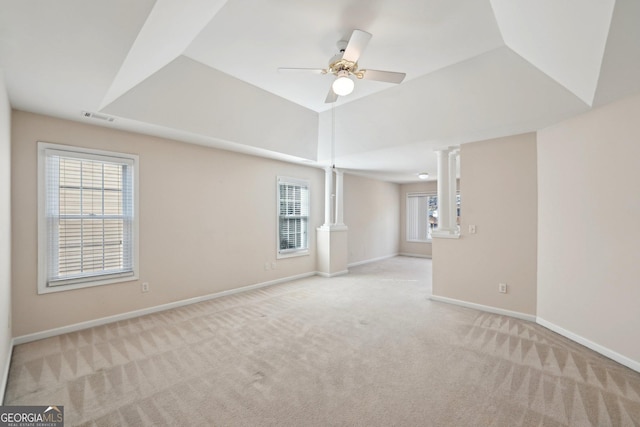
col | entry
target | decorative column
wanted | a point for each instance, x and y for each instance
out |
(332, 236)
(339, 199)
(447, 227)
(328, 187)
(453, 168)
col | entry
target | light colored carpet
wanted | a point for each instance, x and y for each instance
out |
(367, 349)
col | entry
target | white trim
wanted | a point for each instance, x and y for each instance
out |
(132, 160)
(445, 234)
(487, 308)
(136, 313)
(329, 275)
(421, 193)
(285, 255)
(615, 356)
(290, 253)
(414, 255)
(368, 261)
(5, 373)
(302, 182)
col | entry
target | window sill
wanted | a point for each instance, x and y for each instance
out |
(292, 254)
(44, 289)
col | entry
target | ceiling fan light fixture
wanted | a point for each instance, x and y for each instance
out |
(423, 175)
(343, 84)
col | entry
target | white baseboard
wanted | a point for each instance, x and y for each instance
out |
(414, 255)
(354, 264)
(136, 313)
(487, 308)
(329, 275)
(623, 360)
(5, 373)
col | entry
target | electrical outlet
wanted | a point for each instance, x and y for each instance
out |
(502, 288)
(472, 229)
(145, 286)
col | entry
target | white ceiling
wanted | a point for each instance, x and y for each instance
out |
(205, 71)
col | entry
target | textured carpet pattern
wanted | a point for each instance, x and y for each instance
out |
(541, 378)
(367, 349)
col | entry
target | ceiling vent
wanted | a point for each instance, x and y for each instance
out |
(97, 116)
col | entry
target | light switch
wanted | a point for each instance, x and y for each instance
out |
(472, 229)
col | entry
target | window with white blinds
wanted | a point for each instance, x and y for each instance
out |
(422, 216)
(293, 216)
(88, 225)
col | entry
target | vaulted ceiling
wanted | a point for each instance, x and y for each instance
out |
(206, 71)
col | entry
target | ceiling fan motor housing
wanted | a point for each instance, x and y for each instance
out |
(343, 65)
(337, 63)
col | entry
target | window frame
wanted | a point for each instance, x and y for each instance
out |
(408, 213)
(289, 253)
(43, 256)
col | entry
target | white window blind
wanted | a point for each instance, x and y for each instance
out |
(422, 216)
(418, 229)
(293, 215)
(89, 223)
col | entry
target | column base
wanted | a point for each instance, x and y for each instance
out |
(332, 250)
(453, 233)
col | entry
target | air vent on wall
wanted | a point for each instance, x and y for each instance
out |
(97, 116)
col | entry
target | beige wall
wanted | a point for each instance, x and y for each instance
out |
(589, 250)
(498, 193)
(371, 212)
(207, 223)
(421, 249)
(5, 234)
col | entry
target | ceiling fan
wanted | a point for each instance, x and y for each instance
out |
(344, 65)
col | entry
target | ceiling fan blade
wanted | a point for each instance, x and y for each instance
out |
(303, 70)
(331, 96)
(383, 76)
(356, 45)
